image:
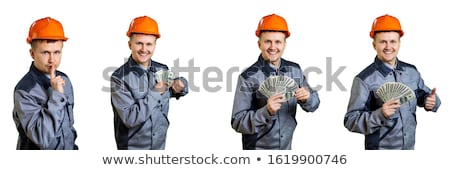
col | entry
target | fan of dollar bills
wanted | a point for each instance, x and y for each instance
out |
(394, 90)
(164, 76)
(278, 84)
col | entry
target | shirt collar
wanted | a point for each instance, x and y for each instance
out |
(41, 79)
(134, 64)
(271, 70)
(385, 69)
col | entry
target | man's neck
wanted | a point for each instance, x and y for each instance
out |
(274, 66)
(391, 65)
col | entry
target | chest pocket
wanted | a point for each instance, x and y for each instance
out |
(139, 86)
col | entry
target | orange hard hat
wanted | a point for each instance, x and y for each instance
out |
(386, 23)
(46, 29)
(273, 22)
(143, 25)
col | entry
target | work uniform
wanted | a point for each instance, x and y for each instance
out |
(140, 112)
(364, 109)
(250, 116)
(43, 116)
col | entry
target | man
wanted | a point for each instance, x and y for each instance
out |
(43, 99)
(140, 103)
(269, 123)
(388, 125)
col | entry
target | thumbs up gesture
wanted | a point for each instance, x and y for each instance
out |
(430, 101)
(57, 82)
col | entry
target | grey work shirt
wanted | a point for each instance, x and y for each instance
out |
(44, 117)
(364, 108)
(140, 112)
(250, 117)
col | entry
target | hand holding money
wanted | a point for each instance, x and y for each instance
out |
(274, 103)
(164, 79)
(161, 87)
(165, 76)
(389, 108)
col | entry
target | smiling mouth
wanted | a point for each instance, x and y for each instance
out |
(143, 54)
(272, 52)
(388, 51)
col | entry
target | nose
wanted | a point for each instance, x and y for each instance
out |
(142, 47)
(388, 45)
(51, 58)
(272, 46)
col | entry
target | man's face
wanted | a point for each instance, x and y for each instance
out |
(46, 55)
(142, 47)
(387, 45)
(272, 45)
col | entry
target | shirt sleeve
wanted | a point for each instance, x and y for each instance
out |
(358, 117)
(42, 122)
(245, 118)
(423, 92)
(313, 102)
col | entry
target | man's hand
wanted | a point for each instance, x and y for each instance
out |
(57, 82)
(274, 103)
(177, 86)
(430, 101)
(302, 94)
(161, 87)
(389, 108)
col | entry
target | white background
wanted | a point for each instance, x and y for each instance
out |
(221, 34)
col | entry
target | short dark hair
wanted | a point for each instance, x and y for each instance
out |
(37, 41)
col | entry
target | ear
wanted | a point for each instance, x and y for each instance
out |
(32, 53)
(129, 44)
(373, 44)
